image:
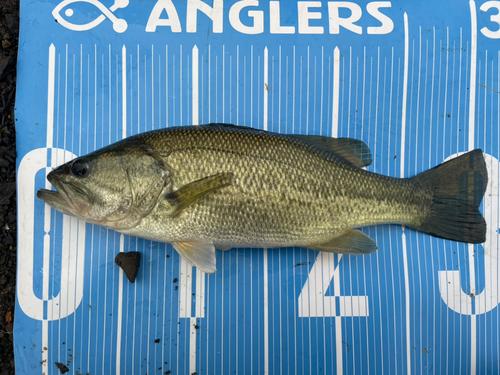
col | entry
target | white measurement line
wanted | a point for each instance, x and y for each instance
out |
(195, 83)
(417, 140)
(223, 82)
(152, 87)
(159, 92)
(65, 98)
(93, 227)
(166, 85)
(322, 88)
(81, 99)
(138, 92)
(251, 82)
(266, 87)
(472, 107)
(120, 274)
(180, 84)
(120, 313)
(80, 285)
(472, 85)
(47, 221)
(265, 278)
(217, 87)
(335, 125)
(200, 294)
(200, 275)
(405, 95)
(402, 173)
(279, 98)
(336, 86)
(105, 299)
(50, 96)
(496, 287)
(308, 74)
(192, 344)
(109, 93)
(186, 287)
(237, 84)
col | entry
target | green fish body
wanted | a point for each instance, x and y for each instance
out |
(224, 186)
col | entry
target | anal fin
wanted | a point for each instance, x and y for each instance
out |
(223, 248)
(352, 242)
(198, 254)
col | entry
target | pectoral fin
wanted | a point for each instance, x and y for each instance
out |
(352, 242)
(190, 193)
(198, 254)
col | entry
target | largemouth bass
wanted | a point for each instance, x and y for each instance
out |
(224, 186)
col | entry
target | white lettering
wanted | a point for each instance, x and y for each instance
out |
(256, 15)
(493, 18)
(274, 17)
(305, 15)
(348, 23)
(215, 14)
(172, 20)
(70, 241)
(313, 302)
(387, 24)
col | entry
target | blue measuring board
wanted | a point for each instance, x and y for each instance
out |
(419, 82)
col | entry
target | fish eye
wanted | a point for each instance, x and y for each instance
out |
(80, 168)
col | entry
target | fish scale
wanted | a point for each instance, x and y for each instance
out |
(299, 195)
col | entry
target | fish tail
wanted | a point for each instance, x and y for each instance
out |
(457, 188)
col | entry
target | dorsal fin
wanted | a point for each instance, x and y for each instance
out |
(356, 152)
(232, 126)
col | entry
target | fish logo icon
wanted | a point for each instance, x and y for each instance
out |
(119, 25)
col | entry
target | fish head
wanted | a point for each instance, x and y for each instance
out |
(114, 187)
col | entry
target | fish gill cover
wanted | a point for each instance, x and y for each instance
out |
(418, 83)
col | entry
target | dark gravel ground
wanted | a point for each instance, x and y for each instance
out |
(9, 31)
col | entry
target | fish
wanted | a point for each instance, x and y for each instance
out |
(223, 186)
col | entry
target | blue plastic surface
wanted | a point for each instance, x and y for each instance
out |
(418, 82)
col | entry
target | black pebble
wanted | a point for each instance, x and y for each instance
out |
(62, 368)
(129, 263)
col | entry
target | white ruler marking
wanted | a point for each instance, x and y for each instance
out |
(266, 87)
(472, 110)
(265, 279)
(402, 172)
(120, 312)
(195, 80)
(336, 88)
(47, 218)
(192, 345)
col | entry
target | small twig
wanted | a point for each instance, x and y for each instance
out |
(11, 94)
(489, 88)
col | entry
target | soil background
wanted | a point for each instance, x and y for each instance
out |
(9, 35)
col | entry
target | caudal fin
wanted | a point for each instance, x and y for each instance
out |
(457, 187)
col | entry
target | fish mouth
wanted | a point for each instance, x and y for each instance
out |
(55, 200)
(68, 198)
